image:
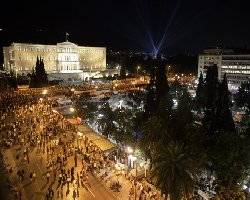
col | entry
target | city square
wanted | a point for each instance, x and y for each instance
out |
(125, 100)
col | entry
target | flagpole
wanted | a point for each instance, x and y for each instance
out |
(66, 36)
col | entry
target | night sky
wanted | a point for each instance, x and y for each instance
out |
(173, 26)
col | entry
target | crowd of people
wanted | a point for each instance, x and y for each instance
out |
(35, 133)
(30, 127)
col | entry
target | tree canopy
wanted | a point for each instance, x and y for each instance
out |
(39, 77)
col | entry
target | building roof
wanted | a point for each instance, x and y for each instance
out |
(225, 51)
(25, 43)
(67, 43)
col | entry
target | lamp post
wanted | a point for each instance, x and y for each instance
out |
(16, 76)
(117, 155)
(168, 70)
(138, 68)
(129, 151)
(135, 178)
(71, 109)
(131, 159)
(44, 93)
(16, 72)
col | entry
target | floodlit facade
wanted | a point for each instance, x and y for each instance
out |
(235, 64)
(64, 60)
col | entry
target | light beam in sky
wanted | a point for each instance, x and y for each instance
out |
(167, 27)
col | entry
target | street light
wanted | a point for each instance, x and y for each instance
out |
(80, 134)
(45, 91)
(130, 150)
(71, 109)
(138, 68)
(168, 69)
(132, 159)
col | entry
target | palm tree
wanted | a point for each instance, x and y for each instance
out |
(153, 131)
(174, 144)
(156, 127)
(176, 168)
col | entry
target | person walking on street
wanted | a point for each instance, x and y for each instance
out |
(34, 176)
(48, 176)
(31, 177)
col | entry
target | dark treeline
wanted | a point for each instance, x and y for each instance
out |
(185, 155)
(130, 62)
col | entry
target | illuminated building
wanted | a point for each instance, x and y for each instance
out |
(64, 60)
(235, 64)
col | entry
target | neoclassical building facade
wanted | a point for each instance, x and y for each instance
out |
(64, 60)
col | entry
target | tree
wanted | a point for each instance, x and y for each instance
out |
(123, 71)
(88, 110)
(223, 117)
(107, 120)
(124, 121)
(226, 150)
(161, 83)
(183, 112)
(39, 76)
(157, 89)
(12, 81)
(230, 157)
(242, 97)
(200, 101)
(169, 138)
(176, 168)
(211, 96)
(138, 125)
(33, 80)
(150, 101)
(157, 126)
(234, 193)
(4, 82)
(41, 73)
